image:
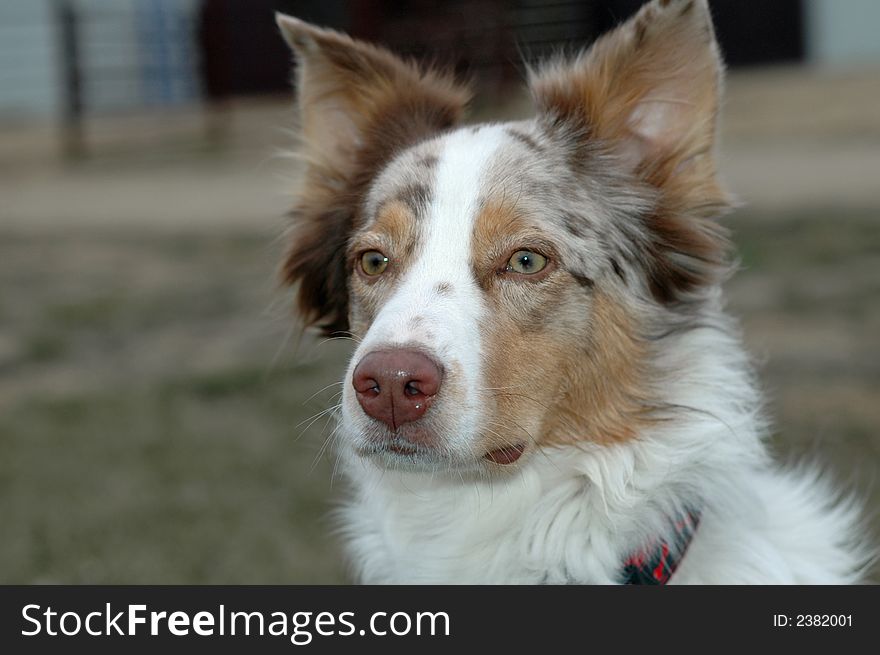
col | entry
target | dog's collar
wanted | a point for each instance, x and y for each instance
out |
(655, 564)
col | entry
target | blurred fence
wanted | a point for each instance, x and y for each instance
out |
(100, 55)
(71, 60)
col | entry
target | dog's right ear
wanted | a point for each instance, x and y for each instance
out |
(359, 105)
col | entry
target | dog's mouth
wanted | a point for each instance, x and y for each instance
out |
(503, 456)
(506, 455)
(397, 447)
(401, 449)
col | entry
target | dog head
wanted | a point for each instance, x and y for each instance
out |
(507, 283)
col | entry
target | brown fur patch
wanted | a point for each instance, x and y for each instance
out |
(520, 357)
(396, 223)
(496, 229)
(580, 377)
(603, 396)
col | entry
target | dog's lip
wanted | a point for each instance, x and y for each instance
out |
(400, 449)
(396, 447)
(506, 455)
(502, 456)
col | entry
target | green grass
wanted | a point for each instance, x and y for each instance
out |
(794, 239)
(43, 347)
(98, 312)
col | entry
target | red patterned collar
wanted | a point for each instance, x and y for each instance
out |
(656, 563)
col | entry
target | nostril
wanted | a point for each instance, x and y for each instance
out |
(412, 390)
(365, 383)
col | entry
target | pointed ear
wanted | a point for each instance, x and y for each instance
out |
(350, 91)
(647, 93)
(359, 105)
(649, 90)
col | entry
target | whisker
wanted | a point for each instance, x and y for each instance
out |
(326, 339)
(336, 459)
(320, 390)
(324, 445)
(314, 418)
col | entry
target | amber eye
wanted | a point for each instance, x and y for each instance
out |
(373, 263)
(526, 262)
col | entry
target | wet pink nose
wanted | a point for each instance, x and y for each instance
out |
(396, 386)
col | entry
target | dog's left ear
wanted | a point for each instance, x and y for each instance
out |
(648, 94)
(359, 105)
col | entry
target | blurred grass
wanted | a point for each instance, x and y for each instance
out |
(802, 237)
(150, 397)
(150, 413)
(191, 479)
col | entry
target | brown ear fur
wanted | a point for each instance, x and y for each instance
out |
(359, 105)
(648, 93)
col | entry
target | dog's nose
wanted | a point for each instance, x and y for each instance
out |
(396, 386)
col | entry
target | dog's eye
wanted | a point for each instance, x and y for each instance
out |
(373, 263)
(526, 262)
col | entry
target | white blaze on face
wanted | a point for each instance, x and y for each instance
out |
(445, 323)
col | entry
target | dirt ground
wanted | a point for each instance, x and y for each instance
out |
(156, 399)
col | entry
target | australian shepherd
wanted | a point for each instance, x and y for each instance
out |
(545, 387)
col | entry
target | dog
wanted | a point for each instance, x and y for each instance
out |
(545, 387)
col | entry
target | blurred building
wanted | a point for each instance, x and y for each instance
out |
(106, 55)
(64, 58)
